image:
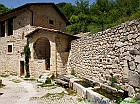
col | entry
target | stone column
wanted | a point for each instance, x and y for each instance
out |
(32, 51)
(53, 62)
(125, 71)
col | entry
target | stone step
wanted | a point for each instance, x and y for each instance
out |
(46, 73)
(44, 76)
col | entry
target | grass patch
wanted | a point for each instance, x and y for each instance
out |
(85, 84)
(16, 80)
(111, 96)
(33, 98)
(54, 95)
(4, 75)
(29, 79)
(73, 72)
(79, 99)
(71, 92)
(46, 85)
(1, 86)
(117, 87)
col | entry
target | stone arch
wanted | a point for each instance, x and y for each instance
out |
(42, 50)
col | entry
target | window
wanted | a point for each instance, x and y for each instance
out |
(6, 27)
(51, 22)
(10, 27)
(10, 48)
(2, 28)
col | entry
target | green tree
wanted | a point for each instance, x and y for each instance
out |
(127, 8)
(67, 9)
(79, 23)
(100, 15)
(3, 9)
(101, 12)
(82, 6)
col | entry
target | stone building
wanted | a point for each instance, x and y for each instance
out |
(43, 26)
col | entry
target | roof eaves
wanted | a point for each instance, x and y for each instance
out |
(49, 30)
(30, 4)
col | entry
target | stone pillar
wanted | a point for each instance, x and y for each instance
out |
(125, 71)
(32, 51)
(53, 62)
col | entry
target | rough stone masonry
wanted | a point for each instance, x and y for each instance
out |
(114, 51)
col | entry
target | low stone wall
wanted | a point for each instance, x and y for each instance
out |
(114, 51)
(96, 98)
(89, 94)
(81, 91)
(37, 68)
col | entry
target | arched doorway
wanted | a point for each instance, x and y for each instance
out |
(42, 51)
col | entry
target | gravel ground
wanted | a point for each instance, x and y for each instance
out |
(19, 91)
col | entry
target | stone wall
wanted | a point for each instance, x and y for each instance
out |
(114, 51)
(43, 13)
(10, 62)
(37, 67)
(22, 25)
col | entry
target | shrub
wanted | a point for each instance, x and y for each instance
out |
(73, 72)
(79, 99)
(48, 81)
(113, 80)
(53, 76)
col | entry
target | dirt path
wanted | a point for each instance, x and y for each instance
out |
(25, 98)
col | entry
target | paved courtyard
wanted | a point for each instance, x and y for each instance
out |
(27, 92)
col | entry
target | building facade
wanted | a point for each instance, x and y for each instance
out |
(43, 26)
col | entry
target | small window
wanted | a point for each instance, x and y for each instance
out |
(51, 22)
(10, 49)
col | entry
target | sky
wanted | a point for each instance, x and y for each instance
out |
(17, 3)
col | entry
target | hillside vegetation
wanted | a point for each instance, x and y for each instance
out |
(100, 15)
(3, 9)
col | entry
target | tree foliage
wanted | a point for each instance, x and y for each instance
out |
(3, 9)
(27, 56)
(100, 15)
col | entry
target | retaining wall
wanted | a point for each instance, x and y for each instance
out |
(114, 51)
